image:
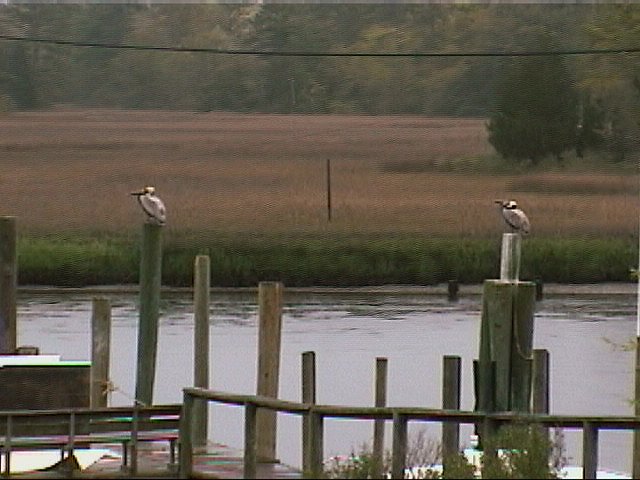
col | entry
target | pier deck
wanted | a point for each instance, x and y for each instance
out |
(216, 461)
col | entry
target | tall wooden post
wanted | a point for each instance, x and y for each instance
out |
(506, 336)
(269, 334)
(100, 351)
(451, 369)
(150, 282)
(308, 396)
(378, 424)
(201, 287)
(8, 284)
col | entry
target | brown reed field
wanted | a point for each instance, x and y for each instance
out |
(68, 171)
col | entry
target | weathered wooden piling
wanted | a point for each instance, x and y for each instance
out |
(308, 396)
(378, 424)
(150, 282)
(8, 284)
(451, 375)
(100, 351)
(269, 334)
(504, 369)
(201, 288)
(452, 290)
(510, 257)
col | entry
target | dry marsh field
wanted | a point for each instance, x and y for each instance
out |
(66, 171)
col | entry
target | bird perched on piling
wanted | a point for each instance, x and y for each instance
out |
(514, 216)
(152, 205)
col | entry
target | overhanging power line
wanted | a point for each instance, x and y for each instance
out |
(219, 51)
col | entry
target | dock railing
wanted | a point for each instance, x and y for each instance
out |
(312, 445)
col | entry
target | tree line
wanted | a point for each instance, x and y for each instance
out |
(555, 102)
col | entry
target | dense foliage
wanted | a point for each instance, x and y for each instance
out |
(42, 74)
(536, 111)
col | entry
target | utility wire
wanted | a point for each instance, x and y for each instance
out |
(218, 51)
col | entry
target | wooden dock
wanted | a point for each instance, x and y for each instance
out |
(216, 461)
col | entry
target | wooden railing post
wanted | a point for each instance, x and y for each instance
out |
(589, 450)
(308, 396)
(250, 427)
(185, 452)
(450, 401)
(399, 446)
(316, 447)
(378, 424)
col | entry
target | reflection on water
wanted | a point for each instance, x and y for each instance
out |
(347, 332)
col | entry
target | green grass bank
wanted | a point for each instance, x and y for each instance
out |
(320, 260)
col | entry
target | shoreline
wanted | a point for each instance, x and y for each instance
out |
(611, 288)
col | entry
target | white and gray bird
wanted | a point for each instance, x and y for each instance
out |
(152, 205)
(515, 218)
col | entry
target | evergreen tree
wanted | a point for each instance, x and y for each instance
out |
(536, 111)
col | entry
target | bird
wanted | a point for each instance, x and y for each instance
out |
(515, 218)
(152, 205)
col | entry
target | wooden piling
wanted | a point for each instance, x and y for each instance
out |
(506, 338)
(150, 282)
(100, 351)
(510, 257)
(451, 369)
(378, 424)
(269, 334)
(8, 284)
(524, 300)
(308, 396)
(540, 400)
(452, 290)
(201, 284)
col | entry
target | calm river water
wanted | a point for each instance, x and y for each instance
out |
(590, 372)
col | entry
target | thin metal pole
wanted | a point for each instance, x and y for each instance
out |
(378, 425)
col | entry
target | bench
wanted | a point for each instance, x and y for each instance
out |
(74, 428)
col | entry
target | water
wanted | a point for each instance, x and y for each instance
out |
(590, 373)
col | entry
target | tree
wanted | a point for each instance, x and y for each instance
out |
(536, 111)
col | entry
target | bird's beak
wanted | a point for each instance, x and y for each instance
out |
(139, 192)
(498, 201)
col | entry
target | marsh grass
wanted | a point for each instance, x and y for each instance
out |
(311, 260)
(412, 200)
